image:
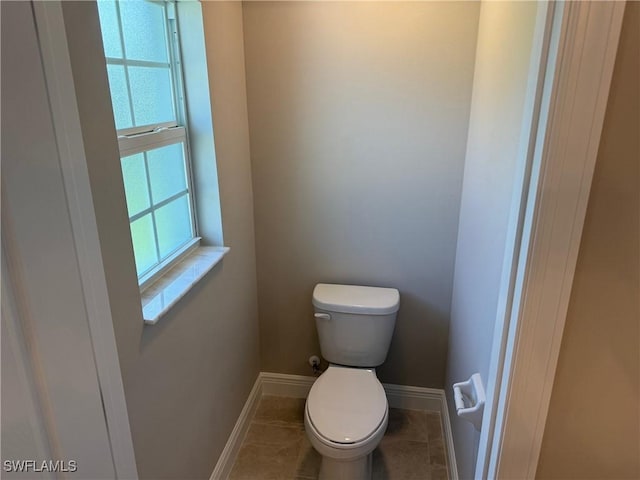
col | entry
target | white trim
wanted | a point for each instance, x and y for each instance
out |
(298, 386)
(542, 52)
(132, 131)
(415, 398)
(398, 396)
(565, 155)
(448, 438)
(232, 447)
(158, 299)
(148, 279)
(284, 385)
(66, 120)
(142, 142)
(422, 398)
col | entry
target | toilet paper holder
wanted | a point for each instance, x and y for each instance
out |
(470, 398)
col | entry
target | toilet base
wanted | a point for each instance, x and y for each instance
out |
(358, 469)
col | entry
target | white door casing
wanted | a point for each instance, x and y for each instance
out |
(50, 242)
(584, 41)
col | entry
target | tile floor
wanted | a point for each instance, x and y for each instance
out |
(276, 446)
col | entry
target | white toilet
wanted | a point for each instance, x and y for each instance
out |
(346, 412)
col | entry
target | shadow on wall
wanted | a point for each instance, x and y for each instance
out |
(358, 118)
(432, 339)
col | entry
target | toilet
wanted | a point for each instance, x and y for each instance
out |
(346, 412)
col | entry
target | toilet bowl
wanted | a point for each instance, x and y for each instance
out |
(346, 415)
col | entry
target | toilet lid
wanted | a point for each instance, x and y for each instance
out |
(346, 405)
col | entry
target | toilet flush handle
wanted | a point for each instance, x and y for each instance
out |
(322, 316)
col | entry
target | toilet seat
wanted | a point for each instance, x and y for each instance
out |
(346, 406)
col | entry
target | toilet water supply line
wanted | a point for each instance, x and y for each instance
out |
(314, 361)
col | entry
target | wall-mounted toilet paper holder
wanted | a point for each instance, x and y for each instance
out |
(469, 397)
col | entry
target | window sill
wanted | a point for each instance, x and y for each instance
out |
(151, 278)
(165, 292)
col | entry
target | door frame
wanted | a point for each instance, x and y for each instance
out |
(56, 63)
(582, 43)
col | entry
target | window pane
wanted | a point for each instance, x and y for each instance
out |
(144, 244)
(135, 183)
(173, 222)
(167, 171)
(110, 28)
(119, 96)
(143, 27)
(152, 95)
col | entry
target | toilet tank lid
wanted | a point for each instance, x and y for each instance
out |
(356, 299)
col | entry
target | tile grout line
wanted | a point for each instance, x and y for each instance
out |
(291, 466)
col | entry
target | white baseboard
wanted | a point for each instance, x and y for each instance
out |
(283, 385)
(448, 438)
(413, 398)
(298, 386)
(230, 452)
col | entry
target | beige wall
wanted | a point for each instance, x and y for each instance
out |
(358, 116)
(498, 130)
(593, 426)
(186, 378)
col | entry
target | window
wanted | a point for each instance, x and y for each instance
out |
(141, 47)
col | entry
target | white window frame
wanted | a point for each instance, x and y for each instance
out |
(143, 138)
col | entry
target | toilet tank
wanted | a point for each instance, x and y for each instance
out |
(355, 324)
